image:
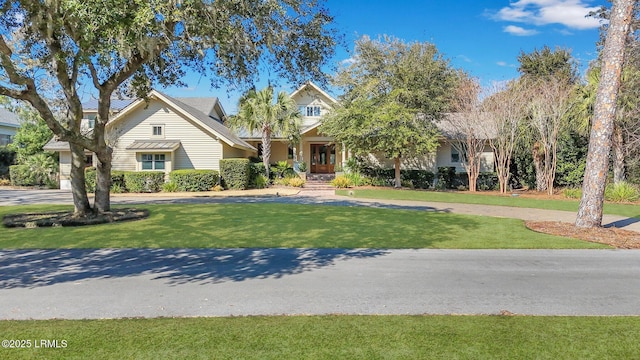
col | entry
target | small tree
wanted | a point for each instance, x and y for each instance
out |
(393, 93)
(549, 107)
(468, 127)
(258, 111)
(505, 110)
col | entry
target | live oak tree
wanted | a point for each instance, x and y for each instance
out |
(590, 210)
(257, 111)
(53, 51)
(393, 94)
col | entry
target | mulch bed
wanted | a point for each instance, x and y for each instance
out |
(66, 218)
(618, 238)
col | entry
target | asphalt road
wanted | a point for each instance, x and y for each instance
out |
(114, 283)
(108, 283)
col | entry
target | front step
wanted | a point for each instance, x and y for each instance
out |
(320, 177)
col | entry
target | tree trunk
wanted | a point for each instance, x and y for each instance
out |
(590, 210)
(398, 182)
(78, 186)
(538, 163)
(103, 183)
(618, 155)
(266, 148)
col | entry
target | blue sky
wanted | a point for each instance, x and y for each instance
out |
(484, 37)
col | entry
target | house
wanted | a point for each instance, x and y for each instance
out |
(9, 125)
(166, 134)
(162, 134)
(322, 154)
(316, 150)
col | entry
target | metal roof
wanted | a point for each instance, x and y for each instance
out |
(155, 145)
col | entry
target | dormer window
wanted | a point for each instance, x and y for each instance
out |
(157, 131)
(313, 111)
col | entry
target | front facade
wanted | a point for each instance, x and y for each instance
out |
(163, 134)
(317, 151)
(322, 154)
(9, 125)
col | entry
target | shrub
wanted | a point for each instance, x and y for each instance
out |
(260, 182)
(90, 178)
(341, 182)
(144, 181)
(621, 192)
(37, 170)
(572, 193)
(295, 182)
(302, 166)
(117, 188)
(170, 187)
(421, 179)
(355, 178)
(446, 177)
(235, 173)
(283, 169)
(194, 180)
(7, 158)
(117, 180)
(217, 188)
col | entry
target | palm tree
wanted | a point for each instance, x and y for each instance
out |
(257, 111)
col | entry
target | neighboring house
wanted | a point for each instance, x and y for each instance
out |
(163, 134)
(9, 125)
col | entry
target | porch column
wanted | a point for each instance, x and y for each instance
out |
(343, 150)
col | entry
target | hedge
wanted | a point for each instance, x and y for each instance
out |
(421, 179)
(90, 178)
(7, 158)
(21, 175)
(194, 180)
(235, 173)
(144, 181)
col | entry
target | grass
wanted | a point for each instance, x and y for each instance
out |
(290, 226)
(628, 210)
(332, 337)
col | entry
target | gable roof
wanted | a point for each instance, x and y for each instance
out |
(116, 104)
(310, 84)
(8, 118)
(205, 105)
(213, 127)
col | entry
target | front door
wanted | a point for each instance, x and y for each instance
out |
(323, 158)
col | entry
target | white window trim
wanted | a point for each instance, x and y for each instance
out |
(162, 128)
(153, 161)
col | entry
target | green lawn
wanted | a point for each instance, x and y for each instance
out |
(628, 210)
(332, 337)
(290, 226)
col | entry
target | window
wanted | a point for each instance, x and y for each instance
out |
(152, 161)
(455, 156)
(5, 139)
(313, 111)
(88, 160)
(290, 153)
(157, 131)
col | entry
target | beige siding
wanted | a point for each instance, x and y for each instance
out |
(8, 130)
(426, 162)
(65, 165)
(231, 152)
(444, 158)
(311, 98)
(198, 149)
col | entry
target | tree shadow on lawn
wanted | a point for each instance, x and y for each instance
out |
(35, 268)
(303, 200)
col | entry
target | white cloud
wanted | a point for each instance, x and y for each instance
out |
(464, 58)
(505, 64)
(348, 61)
(518, 31)
(570, 13)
